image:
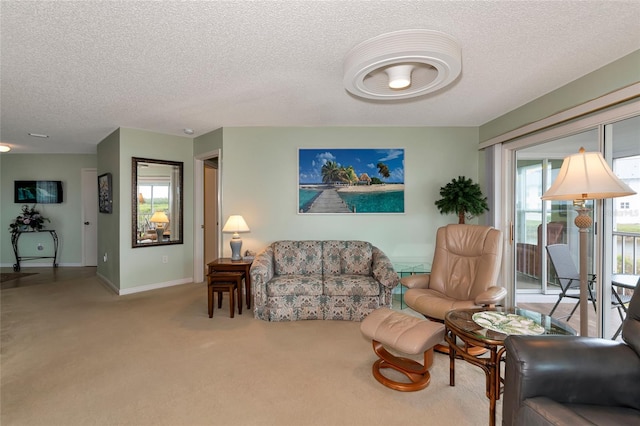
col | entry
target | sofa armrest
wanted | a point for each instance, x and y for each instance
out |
(262, 270)
(569, 369)
(491, 296)
(382, 269)
(416, 281)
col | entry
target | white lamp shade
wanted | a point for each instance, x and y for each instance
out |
(235, 224)
(586, 176)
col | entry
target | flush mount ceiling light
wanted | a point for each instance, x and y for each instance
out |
(5, 148)
(402, 64)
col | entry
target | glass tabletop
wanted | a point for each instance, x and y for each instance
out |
(405, 269)
(461, 321)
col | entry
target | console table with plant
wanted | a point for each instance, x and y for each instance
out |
(31, 221)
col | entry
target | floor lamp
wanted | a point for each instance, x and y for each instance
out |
(585, 176)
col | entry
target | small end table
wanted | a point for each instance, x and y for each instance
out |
(225, 264)
(15, 237)
(459, 326)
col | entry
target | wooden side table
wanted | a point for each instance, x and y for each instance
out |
(225, 264)
(220, 282)
(462, 333)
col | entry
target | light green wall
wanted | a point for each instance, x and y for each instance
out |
(65, 217)
(143, 266)
(614, 76)
(259, 180)
(208, 142)
(109, 223)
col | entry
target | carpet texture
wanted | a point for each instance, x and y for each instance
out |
(74, 353)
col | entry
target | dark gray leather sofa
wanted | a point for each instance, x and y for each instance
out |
(571, 380)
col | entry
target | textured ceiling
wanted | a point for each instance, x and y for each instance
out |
(78, 70)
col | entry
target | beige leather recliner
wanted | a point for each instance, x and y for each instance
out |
(465, 268)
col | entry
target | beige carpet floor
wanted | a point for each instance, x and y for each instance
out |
(74, 353)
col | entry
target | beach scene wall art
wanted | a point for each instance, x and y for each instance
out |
(350, 181)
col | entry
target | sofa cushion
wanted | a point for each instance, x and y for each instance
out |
(297, 285)
(346, 257)
(350, 285)
(355, 258)
(331, 256)
(297, 257)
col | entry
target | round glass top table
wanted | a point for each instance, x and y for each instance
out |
(464, 336)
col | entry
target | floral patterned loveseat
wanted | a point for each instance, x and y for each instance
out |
(332, 280)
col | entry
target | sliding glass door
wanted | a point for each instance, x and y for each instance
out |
(621, 263)
(539, 224)
(613, 240)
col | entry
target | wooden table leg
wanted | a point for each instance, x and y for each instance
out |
(232, 305)
(452, 360)
(247, 283)
(210, 300)
(239, 285)
(492, 388)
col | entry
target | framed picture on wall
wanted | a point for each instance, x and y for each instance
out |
(350, 181)
(105, 200)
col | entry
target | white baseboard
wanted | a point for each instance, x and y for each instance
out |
(155, 286)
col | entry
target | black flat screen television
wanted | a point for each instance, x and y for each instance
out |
(38, 191)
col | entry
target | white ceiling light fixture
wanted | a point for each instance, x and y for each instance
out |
(399, 76)
(402, 64)
(38, 135)
(5, 148)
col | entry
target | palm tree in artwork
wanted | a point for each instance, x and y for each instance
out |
(351, 175)
(331, 172)
(383, 170)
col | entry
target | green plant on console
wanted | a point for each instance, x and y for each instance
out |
(462, 196)
(29, 220)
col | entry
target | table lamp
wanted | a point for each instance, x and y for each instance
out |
(235, 224)
(159, 218)
(585, 176)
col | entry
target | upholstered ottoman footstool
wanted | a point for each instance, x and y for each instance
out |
(406, 334)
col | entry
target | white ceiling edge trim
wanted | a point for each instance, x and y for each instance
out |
(610, 99)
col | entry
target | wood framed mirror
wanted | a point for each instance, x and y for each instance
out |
(156, 212)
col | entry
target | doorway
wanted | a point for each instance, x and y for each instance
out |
(210, 210)
(89, 217)
(206, 208)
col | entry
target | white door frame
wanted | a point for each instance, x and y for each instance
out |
(198, 211)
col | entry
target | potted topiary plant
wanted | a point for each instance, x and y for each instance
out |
(462, 196)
